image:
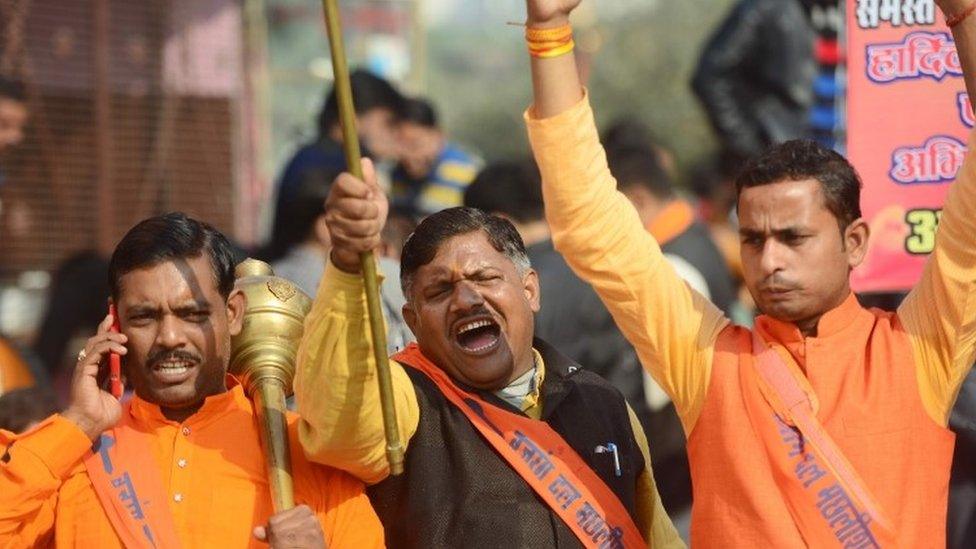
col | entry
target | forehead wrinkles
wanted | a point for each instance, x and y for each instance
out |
(457, 270)
(781, 205)
(177, 281)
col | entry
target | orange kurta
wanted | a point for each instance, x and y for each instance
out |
(211, 467)
(14, 373)
(885, 382)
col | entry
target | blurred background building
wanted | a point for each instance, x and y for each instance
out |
(143, 107)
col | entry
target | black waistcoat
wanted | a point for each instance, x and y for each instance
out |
(456, 491)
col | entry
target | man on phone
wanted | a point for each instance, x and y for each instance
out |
(180, 463)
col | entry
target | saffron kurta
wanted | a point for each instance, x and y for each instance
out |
(211, 466)
(885, 382)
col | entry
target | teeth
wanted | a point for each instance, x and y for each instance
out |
(482, 348)
(474, 325)
(178, 368)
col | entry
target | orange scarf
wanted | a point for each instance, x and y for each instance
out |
(126, 479)
(671, 222)
(829, 502)
(544, 460)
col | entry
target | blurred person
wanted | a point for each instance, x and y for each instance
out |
(766, 472)
(433, 172)
(300, 245)
(395, 233)
(685, 241)
(572, 319)
(13, 118)
(15, 370)
(180, 463)
(22, 409)
(378, 109)
(76, 303)
(13, 113)
(713, 184)
(755, 75)
(631, 133)
(500, 429)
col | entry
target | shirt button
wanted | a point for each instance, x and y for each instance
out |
(177, 497)
(181, 463)
(186, 431)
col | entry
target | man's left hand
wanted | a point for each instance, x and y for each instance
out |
(296, 528)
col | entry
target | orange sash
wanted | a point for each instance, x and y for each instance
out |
(829, 502)
(671, 222)
(125, 477)
(544, 460)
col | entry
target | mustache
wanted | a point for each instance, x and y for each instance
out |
(776, 283)
(166, 355)
(476, 312)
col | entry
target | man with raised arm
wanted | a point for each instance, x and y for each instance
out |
(508, 442)
(826, 426)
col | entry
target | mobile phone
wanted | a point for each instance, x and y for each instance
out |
(114, 360)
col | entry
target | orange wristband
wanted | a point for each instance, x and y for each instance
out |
(548, 43)
(533, 34)
(553, 52)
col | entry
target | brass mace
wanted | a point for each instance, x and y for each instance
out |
(263, 357)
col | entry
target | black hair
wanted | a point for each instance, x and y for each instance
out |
(21, 407)
(12, 89)
(369, 92)
(296, 213)
(419, 111)
(510, 188)
(639, 166)
(422, 246)
(169, 237)
(802, 159)
(629, 133)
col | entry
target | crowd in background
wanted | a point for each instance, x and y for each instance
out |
(752, 101)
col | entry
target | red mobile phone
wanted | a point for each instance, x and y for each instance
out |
(114, 360)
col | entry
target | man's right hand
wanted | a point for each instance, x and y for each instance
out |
(355, 213)
(92, 409)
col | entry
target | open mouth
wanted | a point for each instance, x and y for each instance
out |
(173, 371)
(478, 336)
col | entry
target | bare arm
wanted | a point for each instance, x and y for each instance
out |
(555, 81)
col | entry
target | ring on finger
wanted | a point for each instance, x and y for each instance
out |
(82, 355)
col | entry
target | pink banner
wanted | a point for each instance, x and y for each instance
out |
(908, 122)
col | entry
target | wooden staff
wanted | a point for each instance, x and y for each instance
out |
(350, 146)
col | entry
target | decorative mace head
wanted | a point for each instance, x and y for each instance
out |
(274, 318)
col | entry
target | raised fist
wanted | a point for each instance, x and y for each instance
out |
(355, 213)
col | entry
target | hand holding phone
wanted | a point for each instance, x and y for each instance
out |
(93, 407)
(114, 360)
